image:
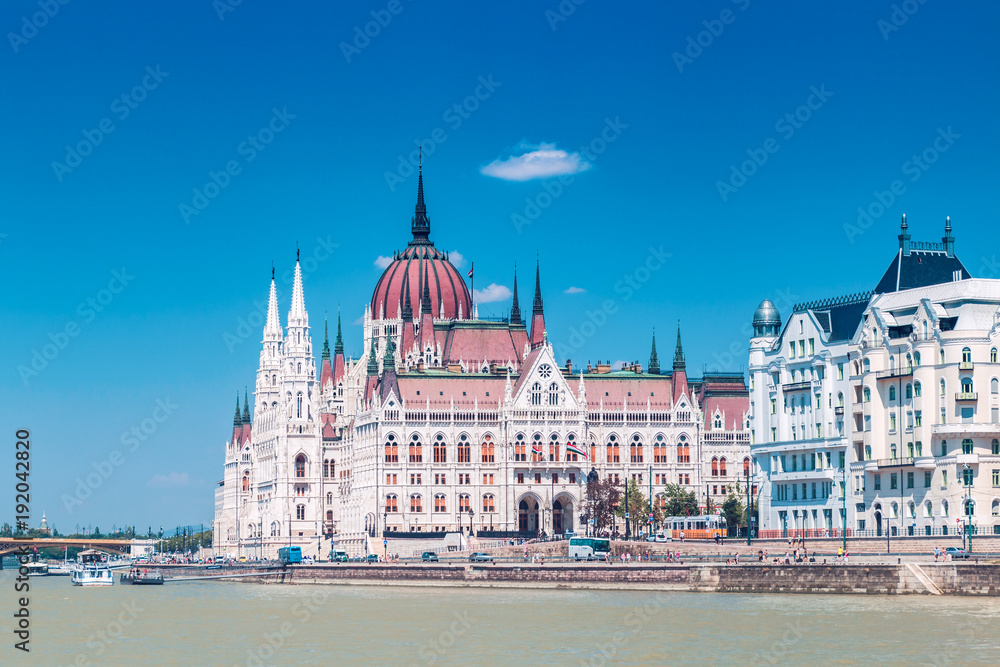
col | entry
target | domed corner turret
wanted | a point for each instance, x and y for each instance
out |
(766, 320)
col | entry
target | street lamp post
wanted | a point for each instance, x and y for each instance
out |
(967, 469)
(746, 472)
(843, 495)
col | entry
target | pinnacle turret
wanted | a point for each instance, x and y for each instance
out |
(246, 406)
(420, 225)
(237, 420)
(338, 345)
(298, 309)
(654, 362)
(372, 360)
(425, 297)
(326, 340)
(536, 306)
(515, 307)
(679, 350)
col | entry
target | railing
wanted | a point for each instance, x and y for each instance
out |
(894, 373)
(507, 534)
(839, 411)
(965, 366)
(414, 534)
(894, 463)
(967, 396)
(795, 386)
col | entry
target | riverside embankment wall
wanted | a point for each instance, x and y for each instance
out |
(945, 578)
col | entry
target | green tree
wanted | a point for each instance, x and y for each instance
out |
(735, 512)
(679, 502)
(603, 497)
(638, 507)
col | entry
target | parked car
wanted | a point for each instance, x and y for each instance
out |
(429, 557)
(338, 556)
(651, 538)
(243, 559)
(955, 552)
(480, 557)
(662, 538)
(372, 558)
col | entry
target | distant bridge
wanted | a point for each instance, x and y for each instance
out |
(12, 545)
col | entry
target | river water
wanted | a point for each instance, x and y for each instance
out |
(223, 623)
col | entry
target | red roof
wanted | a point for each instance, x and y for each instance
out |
(464, 388)
(490, 342)
(446, 284)
(633, 391)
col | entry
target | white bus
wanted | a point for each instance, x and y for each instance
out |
(589, 548)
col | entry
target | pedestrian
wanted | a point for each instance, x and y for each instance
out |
(845, 557)
(736, 557)
(936, 554)
(840, 553)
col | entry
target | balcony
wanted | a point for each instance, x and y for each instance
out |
(970, 459)
(967, 396)
(895, 463)
(965, 430)
(925, 462)
(965, 366)
(796, 386)
(894, 373)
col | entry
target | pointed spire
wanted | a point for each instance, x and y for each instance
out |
(298, 309)
(338, 346)
(420, 225)
(949, 240)
(407, 314)
(372, 360)
(237, 420)
(389, 359)
(904, 237)
(326, 339)
(273, 323)
(246, 407)
(679, 350)
(536, 306)
(654, 362)
(425, 297)
(515, 307)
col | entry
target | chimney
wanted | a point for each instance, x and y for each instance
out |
(569, 366)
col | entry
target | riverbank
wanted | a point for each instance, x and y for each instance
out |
(869, 579)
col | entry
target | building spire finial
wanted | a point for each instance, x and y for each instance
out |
(654, 361)
(420, 225)
(237, 420)
(536, 306)
(246, 406)
(679, 350)
(425, 297)
(326, 338)
(515, 307)
(338, 345)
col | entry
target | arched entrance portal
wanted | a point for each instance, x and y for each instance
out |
(562, 515)
(527, 514)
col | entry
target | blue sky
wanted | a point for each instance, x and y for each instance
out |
(646, 110)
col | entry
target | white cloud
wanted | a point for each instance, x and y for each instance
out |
(493, 293)
(360, 321)
(457, 258)
(383, 262)
(618, 365)
(167, 481)
(574, 290)
(541, 161)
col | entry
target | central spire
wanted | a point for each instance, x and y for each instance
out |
(420, 225)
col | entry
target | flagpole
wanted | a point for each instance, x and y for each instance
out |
(472, 280)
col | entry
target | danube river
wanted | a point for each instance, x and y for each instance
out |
(221, 623)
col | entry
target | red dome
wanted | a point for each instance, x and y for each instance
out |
(445, 284)
(409, 269)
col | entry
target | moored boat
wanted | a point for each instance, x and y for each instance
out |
(37, 569)
(142, 578)
(92, 569)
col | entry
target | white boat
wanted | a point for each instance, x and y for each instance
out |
(37, 569)
(92, 569)
(60, 570)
